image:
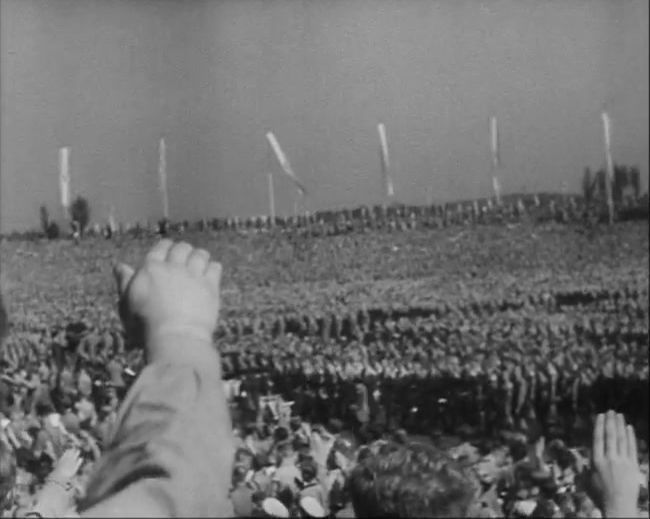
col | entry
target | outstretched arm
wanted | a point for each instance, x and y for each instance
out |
(171, 451)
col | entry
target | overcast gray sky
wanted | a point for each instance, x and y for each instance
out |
(109, 77)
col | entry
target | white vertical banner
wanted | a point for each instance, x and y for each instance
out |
(608, 145)
(271, 199)
(64, 177)
(496, 161)
(496, 186)
(609, 163)
(111, 219)
(162, 176)
(385, 162)
(284, 162)
(494, 142)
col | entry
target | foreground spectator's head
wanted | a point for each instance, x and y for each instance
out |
(412, 480)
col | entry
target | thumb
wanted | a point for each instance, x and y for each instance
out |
(123, 275)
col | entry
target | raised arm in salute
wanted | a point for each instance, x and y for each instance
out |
(171, 451)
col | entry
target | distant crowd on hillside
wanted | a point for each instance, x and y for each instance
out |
(396, 217)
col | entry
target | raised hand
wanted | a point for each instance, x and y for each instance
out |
(56, 498)
(616, 467)
(67, 466)
(174, 292)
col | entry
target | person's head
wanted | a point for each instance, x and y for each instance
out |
(295, 424)
(250, 429)
(583, 504)
(66, 404)
(409, 481)
(335, 426)
(280, 434)
(284, 452)
(567, 505)
(400, 436)
(261, 461)
(518, 450)
(308, 470)
(43, 410)
(244, 457)
(545, 508)
(258, 497)
(239, 475)
(363, 454)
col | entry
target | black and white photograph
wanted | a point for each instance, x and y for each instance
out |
(324, 258)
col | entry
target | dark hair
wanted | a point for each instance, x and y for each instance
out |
(485, 447)
(564, 459)
(280, 434)
(518, 451)
(238, 475)
(285, 496)
(242, 452)
(544, 508)
(308, 470)
(295, 423)
(335, 426)
(400, 436)
(260, 461)
(364, 453)
(283, 450)
(43, 410)
(413, 480)
(249, 429)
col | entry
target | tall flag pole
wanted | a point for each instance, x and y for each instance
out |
(496, 161)
(385, 163)
(284, 162)
(271, 198)
(111, 219)
(162, 176)
(609, 164)
(64, 178)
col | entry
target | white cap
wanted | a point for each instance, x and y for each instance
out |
(55, 420)
(526, 507)
(312, 507)
(274, 508)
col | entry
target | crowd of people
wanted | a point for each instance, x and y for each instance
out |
(401, 382)
(499, 379)
(538, 208)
